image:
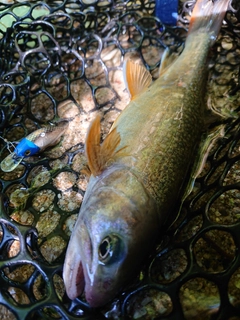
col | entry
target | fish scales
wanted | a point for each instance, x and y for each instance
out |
(164, 139)
(138, 171)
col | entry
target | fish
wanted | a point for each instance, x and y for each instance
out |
(37, 141)
(141, 168)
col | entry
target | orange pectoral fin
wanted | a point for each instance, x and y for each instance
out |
(92, 146)
(136, 77)
(98, 155)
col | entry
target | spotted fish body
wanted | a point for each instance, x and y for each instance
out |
(139, 170)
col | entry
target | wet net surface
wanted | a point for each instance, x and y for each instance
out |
(63, 59)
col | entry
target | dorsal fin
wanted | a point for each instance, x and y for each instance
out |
(166, 61)
(99, 155)
(136, 77)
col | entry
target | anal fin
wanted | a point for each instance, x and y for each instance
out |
(207, 143)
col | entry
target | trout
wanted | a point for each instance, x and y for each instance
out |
(138, 172)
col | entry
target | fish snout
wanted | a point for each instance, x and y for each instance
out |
(78, 256)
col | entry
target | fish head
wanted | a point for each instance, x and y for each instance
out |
(111, 238)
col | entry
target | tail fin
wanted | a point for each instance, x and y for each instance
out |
(207, 16)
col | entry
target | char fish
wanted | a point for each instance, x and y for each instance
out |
(138, 172)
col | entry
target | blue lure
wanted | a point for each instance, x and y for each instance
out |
(35, 142)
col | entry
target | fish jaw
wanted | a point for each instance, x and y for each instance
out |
(79, 254)
(73, 276)
(100, 290)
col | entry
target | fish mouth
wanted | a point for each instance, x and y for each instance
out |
(73, 276)
(78, 256)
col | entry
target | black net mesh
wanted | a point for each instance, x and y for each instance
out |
(63, 59)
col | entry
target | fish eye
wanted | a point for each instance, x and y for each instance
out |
(105, 248)
(109, 249)
(27, 152)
